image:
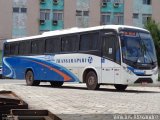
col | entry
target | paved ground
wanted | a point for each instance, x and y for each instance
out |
(76, 100)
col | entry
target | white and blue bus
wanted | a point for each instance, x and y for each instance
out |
(112, 54)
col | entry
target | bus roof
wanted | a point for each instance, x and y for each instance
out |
(74, 30)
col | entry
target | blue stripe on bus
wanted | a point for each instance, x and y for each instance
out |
(42, 69)
(138, 72)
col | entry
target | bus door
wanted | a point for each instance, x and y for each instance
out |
(110, 57)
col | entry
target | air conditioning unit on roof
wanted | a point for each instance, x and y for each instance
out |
(116, 4)
(104, 4)
(55, 22)
(55, 2)
(42, 22)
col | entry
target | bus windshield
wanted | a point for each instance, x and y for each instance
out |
(138, 47)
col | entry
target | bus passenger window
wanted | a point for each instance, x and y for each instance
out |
(24, 47)
(38, 46)
(6, 49)
(69, 43)
(14, 48)
(89, 41)
(53, 45)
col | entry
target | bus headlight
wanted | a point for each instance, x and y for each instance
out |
(128, 71)
(155, 71)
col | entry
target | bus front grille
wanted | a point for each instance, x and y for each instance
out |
(144, 80)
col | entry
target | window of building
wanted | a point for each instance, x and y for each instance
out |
(53, 45)
(57, 15)
(44, 14)
(106, 18)
(118, 19)
(147, 2)
(23, 10)
(78, 13)
(105, 1)
(89, 41)
(82, 13)
(118, 1)
(69, 43)
(85, 13)
(146, 17)
(19, 10)
(135, 15)
(16, 9)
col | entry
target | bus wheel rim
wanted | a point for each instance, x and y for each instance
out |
(91, 80)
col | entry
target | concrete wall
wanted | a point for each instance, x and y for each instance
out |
(70, 19)
(32, 21)
(12, 23)
(26, 24)
(94, 13)
(69, 13)
(136, 6)
(82, 5)
(156, 10)
(128, 12)
(5, 19)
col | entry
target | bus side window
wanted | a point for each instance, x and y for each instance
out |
(38, 46)
(53, 45)
(24, 48)
(89, 41)
(14, 48)
(84, 42)
(6, 49)
(69, 43)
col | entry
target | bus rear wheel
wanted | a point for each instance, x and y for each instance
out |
(56, 83)
(92, 81)
(120, 87)
(30, 79)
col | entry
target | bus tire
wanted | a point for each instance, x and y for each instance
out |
(30, 79)
(92, 81)
(120, 87)
(56, 83)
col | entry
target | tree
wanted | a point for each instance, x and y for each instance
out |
(154, 29)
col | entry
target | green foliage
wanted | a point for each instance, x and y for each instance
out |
(154, 29)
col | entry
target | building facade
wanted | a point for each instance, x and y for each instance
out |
(112, 12)
(5, 20)
(137, 12)
(51, 15)
(18, 18)
(87, 13)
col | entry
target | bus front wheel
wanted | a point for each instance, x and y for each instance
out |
(92, 81)
(120, 87)
(30, 79)
(56, 83)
